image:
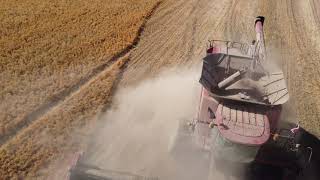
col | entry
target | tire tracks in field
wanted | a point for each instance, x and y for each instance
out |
(193, 31)
(315, 13)
(221, 25)
(161, 42)
(286, 31)
(157, 40)
(177, 35)
(298, 33)
(276, 24)
(59, 98)
(304, 19)
(232, 18)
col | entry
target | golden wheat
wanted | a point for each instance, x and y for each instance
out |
(48, 137)
(48, 46)
(45, 48)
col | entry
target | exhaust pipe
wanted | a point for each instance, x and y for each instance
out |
(260, 49)
(259, 29)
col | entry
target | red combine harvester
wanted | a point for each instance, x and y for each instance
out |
(238, 121)
(240, 97)
(240, 107)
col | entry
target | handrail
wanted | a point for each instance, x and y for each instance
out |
(244, 47)
(219, 40)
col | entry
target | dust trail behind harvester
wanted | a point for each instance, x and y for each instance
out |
(140, 127)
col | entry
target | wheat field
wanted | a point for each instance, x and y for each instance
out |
(57, 70)
(47, 47)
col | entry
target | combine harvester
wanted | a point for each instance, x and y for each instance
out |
(238, 121)
(240, 108)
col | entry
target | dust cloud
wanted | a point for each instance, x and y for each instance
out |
(273, 60)
(139, 129)
(274, 63)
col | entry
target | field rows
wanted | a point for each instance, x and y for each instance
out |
(45, 48)
(48, 46)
